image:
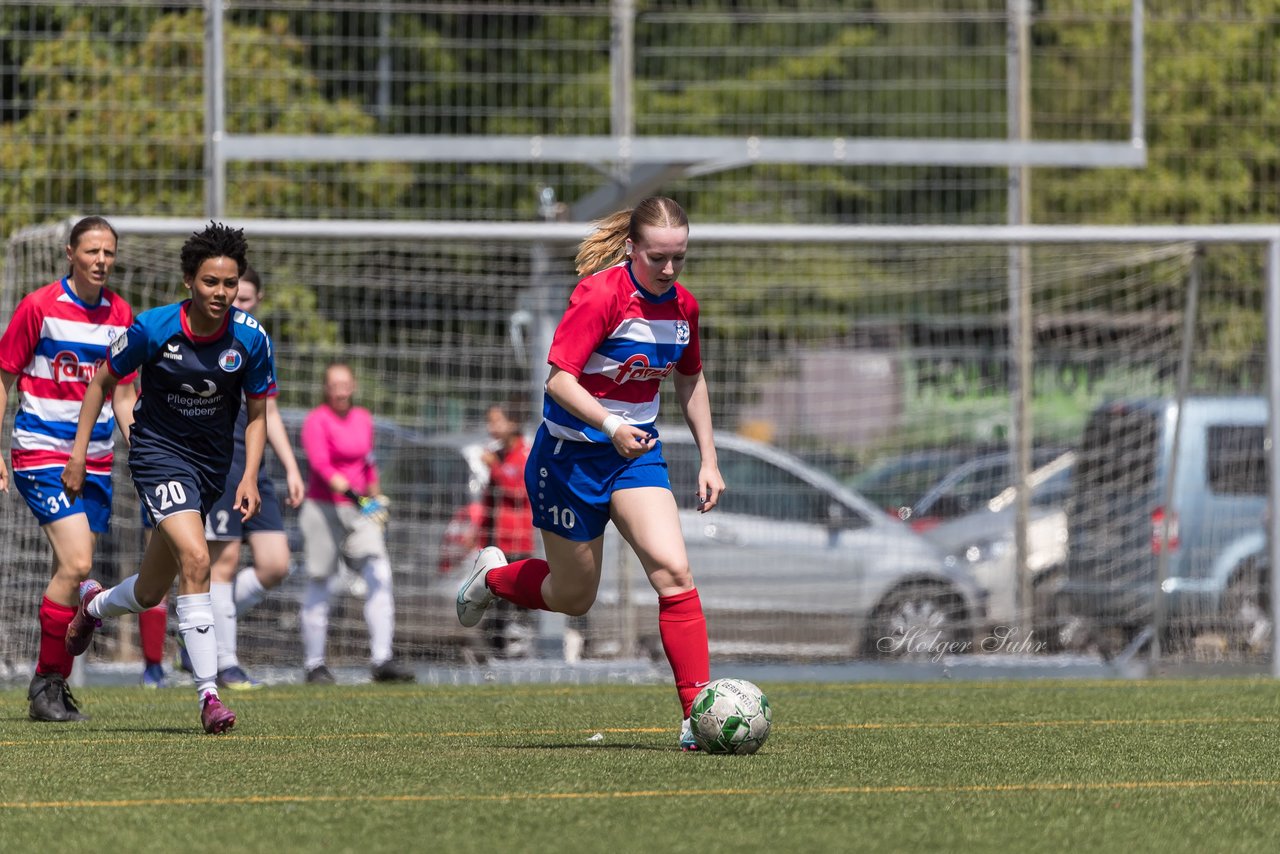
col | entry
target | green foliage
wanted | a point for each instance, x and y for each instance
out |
(139, 106)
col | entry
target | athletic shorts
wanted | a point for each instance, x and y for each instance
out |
(570, 483)
(42, 489)
(169, 485)
(223, 521)
(337, 531)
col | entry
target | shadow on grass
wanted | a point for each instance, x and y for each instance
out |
(592, 746)
(156, 730)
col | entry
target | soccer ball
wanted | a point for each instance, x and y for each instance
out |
(730, 716)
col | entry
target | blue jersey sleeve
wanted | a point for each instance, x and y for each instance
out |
(260, 372)
(134, 348)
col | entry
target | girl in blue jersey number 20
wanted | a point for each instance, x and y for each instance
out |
(597, 456)
(195, 359)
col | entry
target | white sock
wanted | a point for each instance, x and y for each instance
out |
(195, 624)
(315, 622)
(249, 590)
(379, 609)
(224, 623)
(115, 601)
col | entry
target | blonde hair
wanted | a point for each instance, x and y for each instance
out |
(606, 245)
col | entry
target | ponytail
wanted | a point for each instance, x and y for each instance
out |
(606, 245)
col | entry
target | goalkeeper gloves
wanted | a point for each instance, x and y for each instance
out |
(375, 508)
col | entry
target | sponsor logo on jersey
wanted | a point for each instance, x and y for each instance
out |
(67, 367)
(118, 345)
(172, 351)
(637, 367)
(229, 360)
(210, 388)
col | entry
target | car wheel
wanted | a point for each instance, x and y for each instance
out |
(1246, 613)
(919, 622)
(1053, 627)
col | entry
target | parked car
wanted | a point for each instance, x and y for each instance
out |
(969, 486)
(984, 540)
(792, 563)
(789, 563)
(895, 484)
(1202, 509)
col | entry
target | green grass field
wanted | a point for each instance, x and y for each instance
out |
(1004, 766)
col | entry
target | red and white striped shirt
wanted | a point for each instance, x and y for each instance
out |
(54, 344)
(621, 341)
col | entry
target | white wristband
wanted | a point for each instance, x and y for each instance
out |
(611, 424)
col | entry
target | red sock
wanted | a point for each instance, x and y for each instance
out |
(684, 639)
(54, 619)
(520, 582)
(152, 624)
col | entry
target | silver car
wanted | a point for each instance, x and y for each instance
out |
(983, 540)
(791, 563)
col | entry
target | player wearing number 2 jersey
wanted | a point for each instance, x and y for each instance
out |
(597, 456)
(55, 342)
(196, 358)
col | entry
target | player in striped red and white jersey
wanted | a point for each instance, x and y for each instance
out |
(597, 457)
(56, 340)
(622, 342)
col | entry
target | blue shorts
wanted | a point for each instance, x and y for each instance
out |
(223, 522)
(42, 489)
(168, 485)
(570, 483)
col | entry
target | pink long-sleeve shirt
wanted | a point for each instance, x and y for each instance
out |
(338, 444)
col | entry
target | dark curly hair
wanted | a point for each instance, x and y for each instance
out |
(216, 241)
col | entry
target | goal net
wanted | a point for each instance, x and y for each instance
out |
(864, 385)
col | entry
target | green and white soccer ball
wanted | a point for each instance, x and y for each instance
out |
(730, 716)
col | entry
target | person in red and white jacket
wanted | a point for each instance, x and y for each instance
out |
(55, 342)
(506, 518)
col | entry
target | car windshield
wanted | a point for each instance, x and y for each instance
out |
(900, 481)
(756, 487)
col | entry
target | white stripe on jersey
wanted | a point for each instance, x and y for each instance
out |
(62, 329)
(67, 411)
(651, 331)
(631, 413)
(40, 442)
(598, 364)
(561, 432)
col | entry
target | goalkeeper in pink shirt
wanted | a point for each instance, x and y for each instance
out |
(343, 518)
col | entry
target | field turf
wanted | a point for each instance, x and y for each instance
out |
(1021, 767)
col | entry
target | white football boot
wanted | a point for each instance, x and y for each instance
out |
(474, 597)
(687, 742)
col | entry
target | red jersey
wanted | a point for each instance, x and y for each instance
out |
(621, 341)
(509, 518)
(54, 344)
